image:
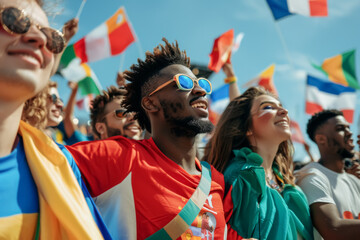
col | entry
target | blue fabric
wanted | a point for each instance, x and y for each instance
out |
(327, 86)
(75, 137)
(279, 8)
(93, 209)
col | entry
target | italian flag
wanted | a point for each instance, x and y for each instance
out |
(341, 69)
(108, 39)
(265, 79)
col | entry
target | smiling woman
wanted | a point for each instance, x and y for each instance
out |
(251, 146)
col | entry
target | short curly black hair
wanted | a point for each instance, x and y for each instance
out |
(140, 74)
(318, 119)
(97, 109)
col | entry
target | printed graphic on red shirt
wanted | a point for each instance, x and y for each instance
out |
(204, 225)
(349, 215)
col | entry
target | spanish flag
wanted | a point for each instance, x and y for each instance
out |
(341, 69)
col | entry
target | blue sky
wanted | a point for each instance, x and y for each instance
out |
(291, 43)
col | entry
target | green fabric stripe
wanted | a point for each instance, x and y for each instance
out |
(319, 68)
(187, 213)
(348, 67)
(161, 234)
(87, 86)
(67, 57)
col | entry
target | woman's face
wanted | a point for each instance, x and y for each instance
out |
(25, 62)
(270, 121)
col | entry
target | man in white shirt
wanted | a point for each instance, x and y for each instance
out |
(333, 194)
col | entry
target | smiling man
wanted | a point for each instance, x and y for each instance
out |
(333, 194)
(156, 188)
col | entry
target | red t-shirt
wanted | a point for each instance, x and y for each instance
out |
(138, 190)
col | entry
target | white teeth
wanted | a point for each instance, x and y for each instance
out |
(199, 105)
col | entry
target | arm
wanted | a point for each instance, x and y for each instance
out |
(327, 221)
(70, 29)
(233, 87)
(69, 125)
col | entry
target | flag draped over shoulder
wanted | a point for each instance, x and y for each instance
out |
(265, 79)
(311, 8)
(322, 94)
(108, 39)
(221, 51)
(341, 69)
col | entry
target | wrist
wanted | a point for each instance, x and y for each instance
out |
(230, 80)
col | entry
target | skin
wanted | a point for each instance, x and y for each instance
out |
(21, 75)
(113, 126)
(170, 107)
(334, 140)
(270, 127)
(54, 110)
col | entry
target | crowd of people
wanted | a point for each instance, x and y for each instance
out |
(141, 176)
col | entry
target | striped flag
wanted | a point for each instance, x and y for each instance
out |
(221, 51)
(322, 94)
(219, 99)
(341, 69)
(310, 8)
(108, 39)
(265, 79)
(296, 134)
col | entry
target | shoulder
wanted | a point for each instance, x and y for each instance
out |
(312, 171)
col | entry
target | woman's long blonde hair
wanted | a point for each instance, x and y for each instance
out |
(230, 134)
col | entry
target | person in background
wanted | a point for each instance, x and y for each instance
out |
(39, 197)
(251, 146)
(333, 194)
(109, 119)
(156, 188)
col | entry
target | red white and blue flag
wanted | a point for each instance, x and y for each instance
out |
(310, 8)
(322, 94)
(219, 99)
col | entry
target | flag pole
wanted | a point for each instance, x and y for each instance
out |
(80, 9)
(122, 60)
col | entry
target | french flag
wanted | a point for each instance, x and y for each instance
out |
(310, 8)
(322, 94)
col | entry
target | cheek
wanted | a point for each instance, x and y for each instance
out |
(264, 117)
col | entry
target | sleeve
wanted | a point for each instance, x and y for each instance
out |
(316, 188)
(104, 163)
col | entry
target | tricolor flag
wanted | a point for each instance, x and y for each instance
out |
(310, 8)
(85, 102)
(221, 51)
(108, 39)
(265, 79)
(341, 69)
(296, 134)
(322, 94)
(219, 99)
(82, 74)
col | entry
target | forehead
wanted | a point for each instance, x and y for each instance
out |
(168, 72)
(31, 9)
(338, 120)
(265, 98)
(113, 105)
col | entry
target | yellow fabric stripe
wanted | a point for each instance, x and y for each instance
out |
(87, 69)
(333, 67)
(20, 226)
(176, 227)
(64, 213)
(269, 72)
(116, 20)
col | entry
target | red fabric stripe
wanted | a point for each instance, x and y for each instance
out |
(80, 50)
(348, 115)
(312, 108)
(121, 38)
(318, 7)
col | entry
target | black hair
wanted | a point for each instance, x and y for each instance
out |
(140, 74)
(318, 119)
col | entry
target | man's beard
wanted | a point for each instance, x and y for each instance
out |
(187, 126)
(113, 131)
(343, 152)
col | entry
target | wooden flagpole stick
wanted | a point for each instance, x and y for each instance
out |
(80, 9)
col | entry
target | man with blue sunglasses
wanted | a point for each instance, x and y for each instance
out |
(156, 188)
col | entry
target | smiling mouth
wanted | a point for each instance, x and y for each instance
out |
(27, 55)
(199, 105)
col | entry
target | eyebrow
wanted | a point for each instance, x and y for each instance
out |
(271, 102)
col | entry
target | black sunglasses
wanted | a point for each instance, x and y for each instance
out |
(55, 99)
(15, 21)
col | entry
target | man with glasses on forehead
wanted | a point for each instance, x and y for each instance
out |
(156, 188)
(109, 119)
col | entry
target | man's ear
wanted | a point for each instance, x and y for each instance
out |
(149, 104)
(100, 127)
(320, 139)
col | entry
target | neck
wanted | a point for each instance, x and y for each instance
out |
(332, 161)
(10, 116)
(267, 150)
(181, 150)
